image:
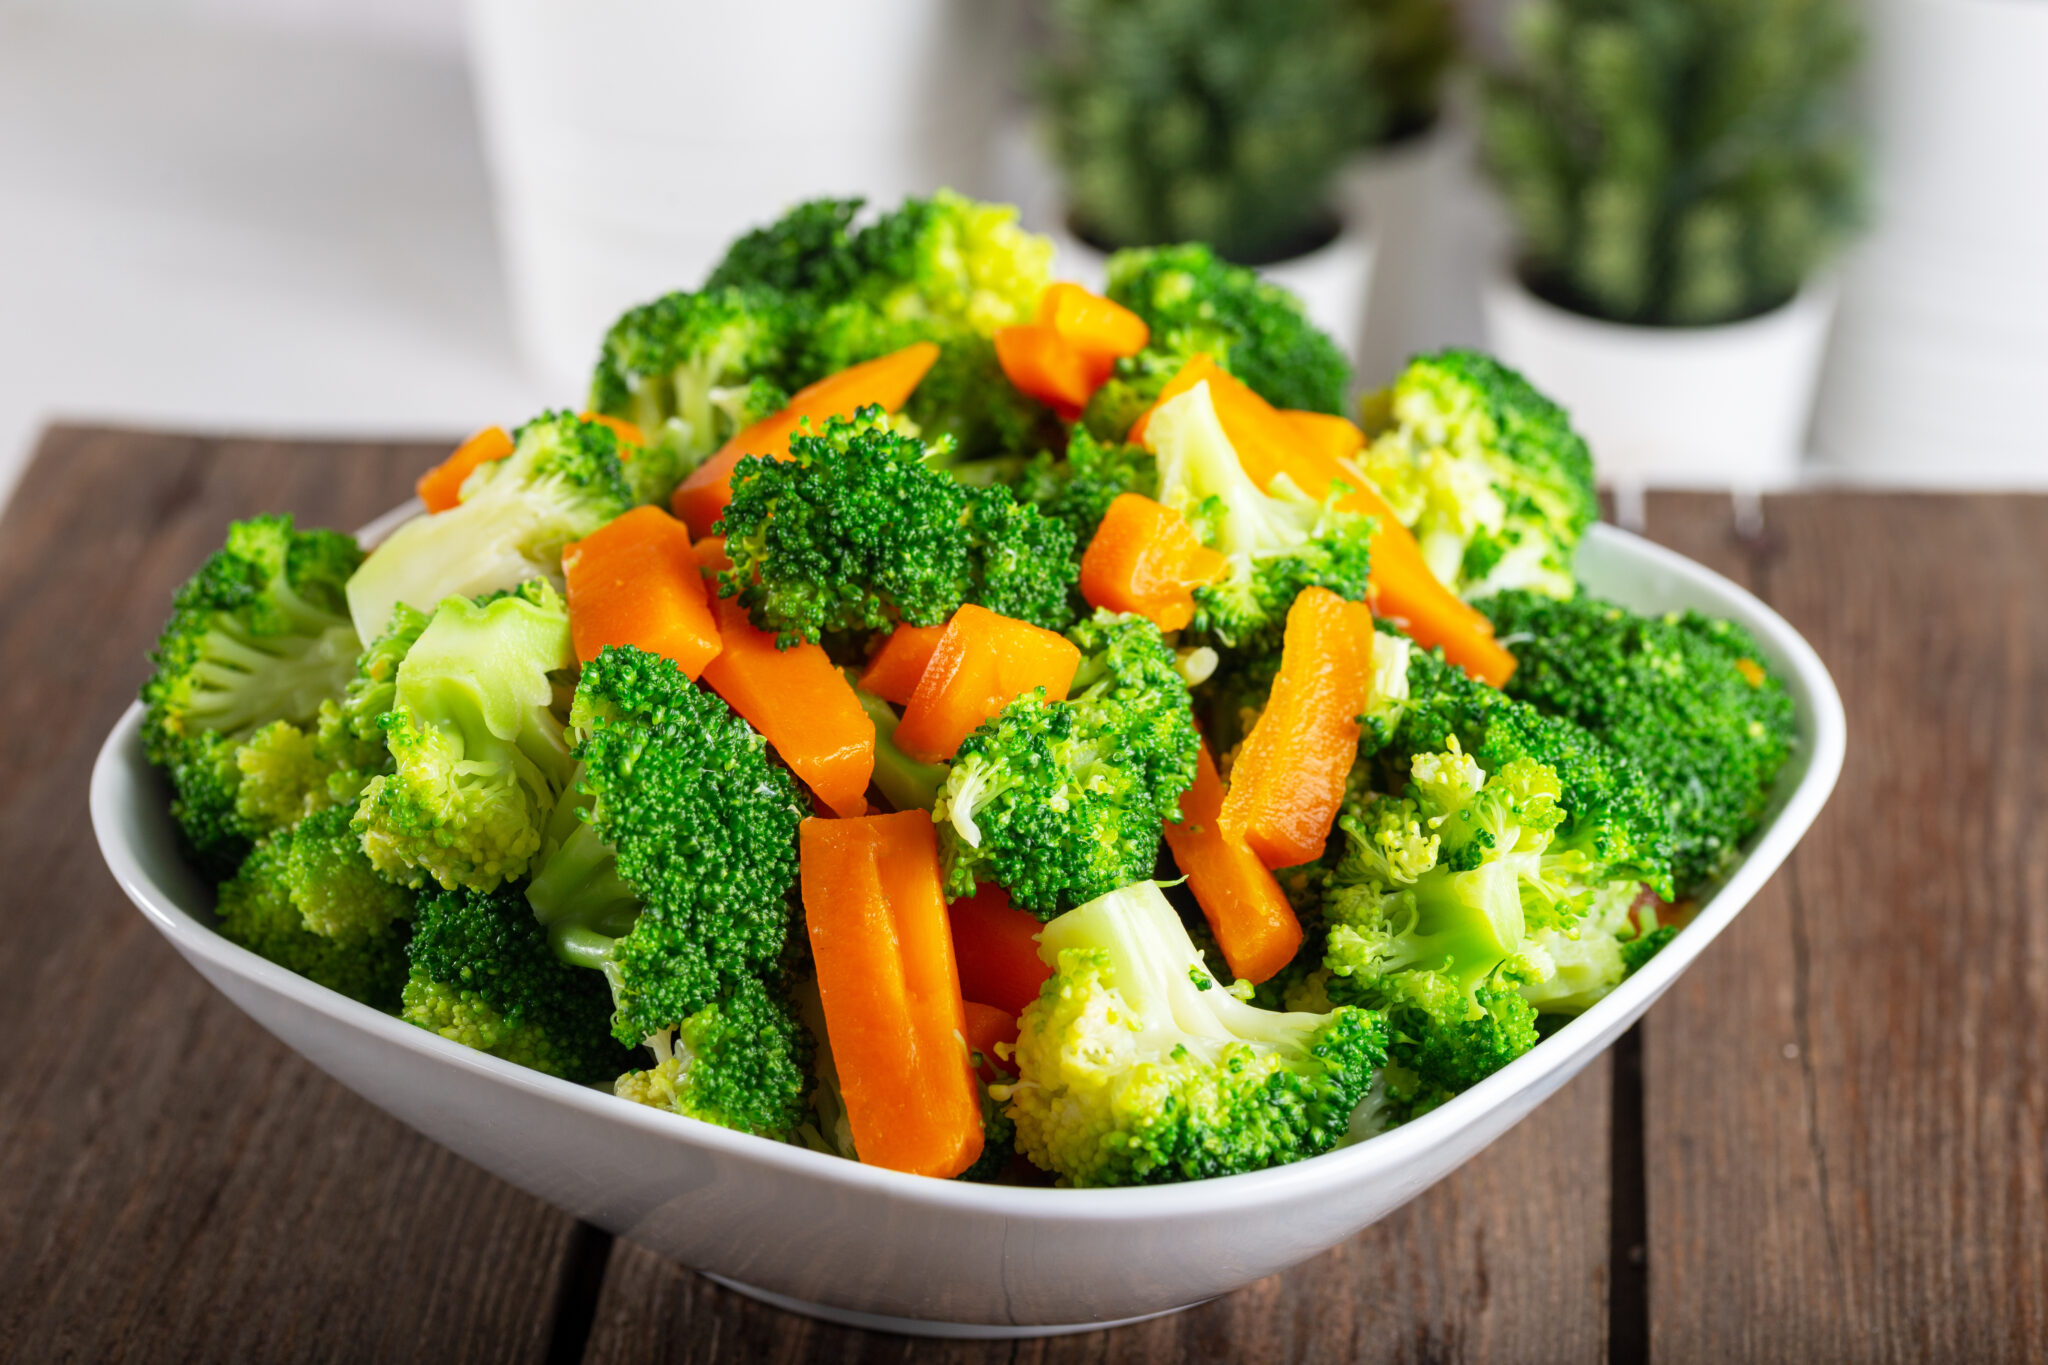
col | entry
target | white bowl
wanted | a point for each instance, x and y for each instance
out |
(880, 1249)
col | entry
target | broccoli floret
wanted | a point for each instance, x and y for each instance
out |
(672, 871)
(258, 639)
(562, 481)
(1078, 489)
(1487, 473)
(741, 1062)
(478, 752)
(313, 874)
(481, 974)
(1139, 1068)
(1593, 959)
(1062, 801)
(690, 370)
(350, 733)
(1257, 331)
(854, 533)
(1685, 696)
(805, 253)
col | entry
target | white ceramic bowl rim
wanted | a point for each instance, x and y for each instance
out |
(1824, 736)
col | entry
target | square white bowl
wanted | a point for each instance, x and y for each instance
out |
(877, 1248)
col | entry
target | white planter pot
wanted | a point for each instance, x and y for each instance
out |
(1400, 192)
(1331, 281)
(631, 140)
(1687, 407)
(1941, 358)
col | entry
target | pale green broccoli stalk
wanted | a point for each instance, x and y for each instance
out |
(741, 1062)
(1486, 472)
(481, 974)
(479, 756)
(562, 481)
(306, 899)
(1138, 1067)
(903, 781)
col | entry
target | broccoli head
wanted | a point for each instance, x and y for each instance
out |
(1138, 1067)
(478, 753)
(671, 871)
(1486, 472)
(854, 533)
(1685, 696)
(1062, 801)
(804, 253)
(742, 1061)
(562, 481)
(482, 974)
(1079, 488)
(1194, 301)
(307, 899)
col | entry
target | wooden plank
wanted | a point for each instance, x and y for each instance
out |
(174, 1184)
(1847, 1098)
(1505, 1260)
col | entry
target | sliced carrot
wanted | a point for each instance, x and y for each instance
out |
(1289, 777)
(983, 663)
(1247, 911)
(887, 381)
(1145, 558)
(626, 431)
(635, 581)
(876, 915)
(1099, 329)
(893, 673)
(440, 488)
(1037, 362)
(987, 1029)
(1338, 438)
(800, 703)
(997, 947)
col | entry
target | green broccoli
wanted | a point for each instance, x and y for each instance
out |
(1138, 1068)
(1683, 695)
(903, 781)
(562, 481)
(690, 370)
(854, 533)
(1194, 301)
(805, 253)
(1595, 957)
(1062, 801)
(481, 974)
(1486, 472)
(672, 870)
(1079, 488)
(258, 640)
(349, 737)
(741, 1062)
(478, 752)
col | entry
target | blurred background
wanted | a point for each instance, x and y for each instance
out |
(1748, 243)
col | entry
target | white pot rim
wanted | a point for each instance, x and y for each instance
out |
(1503, 284)
(1352, 231)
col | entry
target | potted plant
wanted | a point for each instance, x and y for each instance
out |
(1220, 121)
(1679, 171)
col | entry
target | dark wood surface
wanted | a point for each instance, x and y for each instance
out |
(1829, 1142)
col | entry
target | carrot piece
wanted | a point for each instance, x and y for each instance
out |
(876, 914)
(1289, 778)
(987, 1029)
(1247, 911)
(802, 705)
(983, 663)
(997, 947)
(1038, 363)
(626, 431)
(1406, 591)
(1338, 438)
(886, 380)
(1145, 558)
(440, 488)
(1099, 328)
(635, 581)
(893, 673)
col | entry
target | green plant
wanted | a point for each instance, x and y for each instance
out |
(1219, 121)
(1677, 162)
(1404, 48)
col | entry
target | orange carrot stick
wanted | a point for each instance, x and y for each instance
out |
(1037, 362)
(799, 702)
(1247, 911)
(629, 434)
(886, 380)
(996, 945)
(1099, 328)
(1145, 558)
(893, 673)
(1336, 438)
(983, 663)
(876, 915)
(634, 581)
(987, 1029)
(440, 488)
(1289, 777)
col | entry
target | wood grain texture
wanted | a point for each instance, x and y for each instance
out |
(1849, 1091)
(1504, 1261)
(174, 1184)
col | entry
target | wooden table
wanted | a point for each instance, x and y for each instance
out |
(1828, 1142)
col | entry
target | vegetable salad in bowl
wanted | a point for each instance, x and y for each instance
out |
(961, 723)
